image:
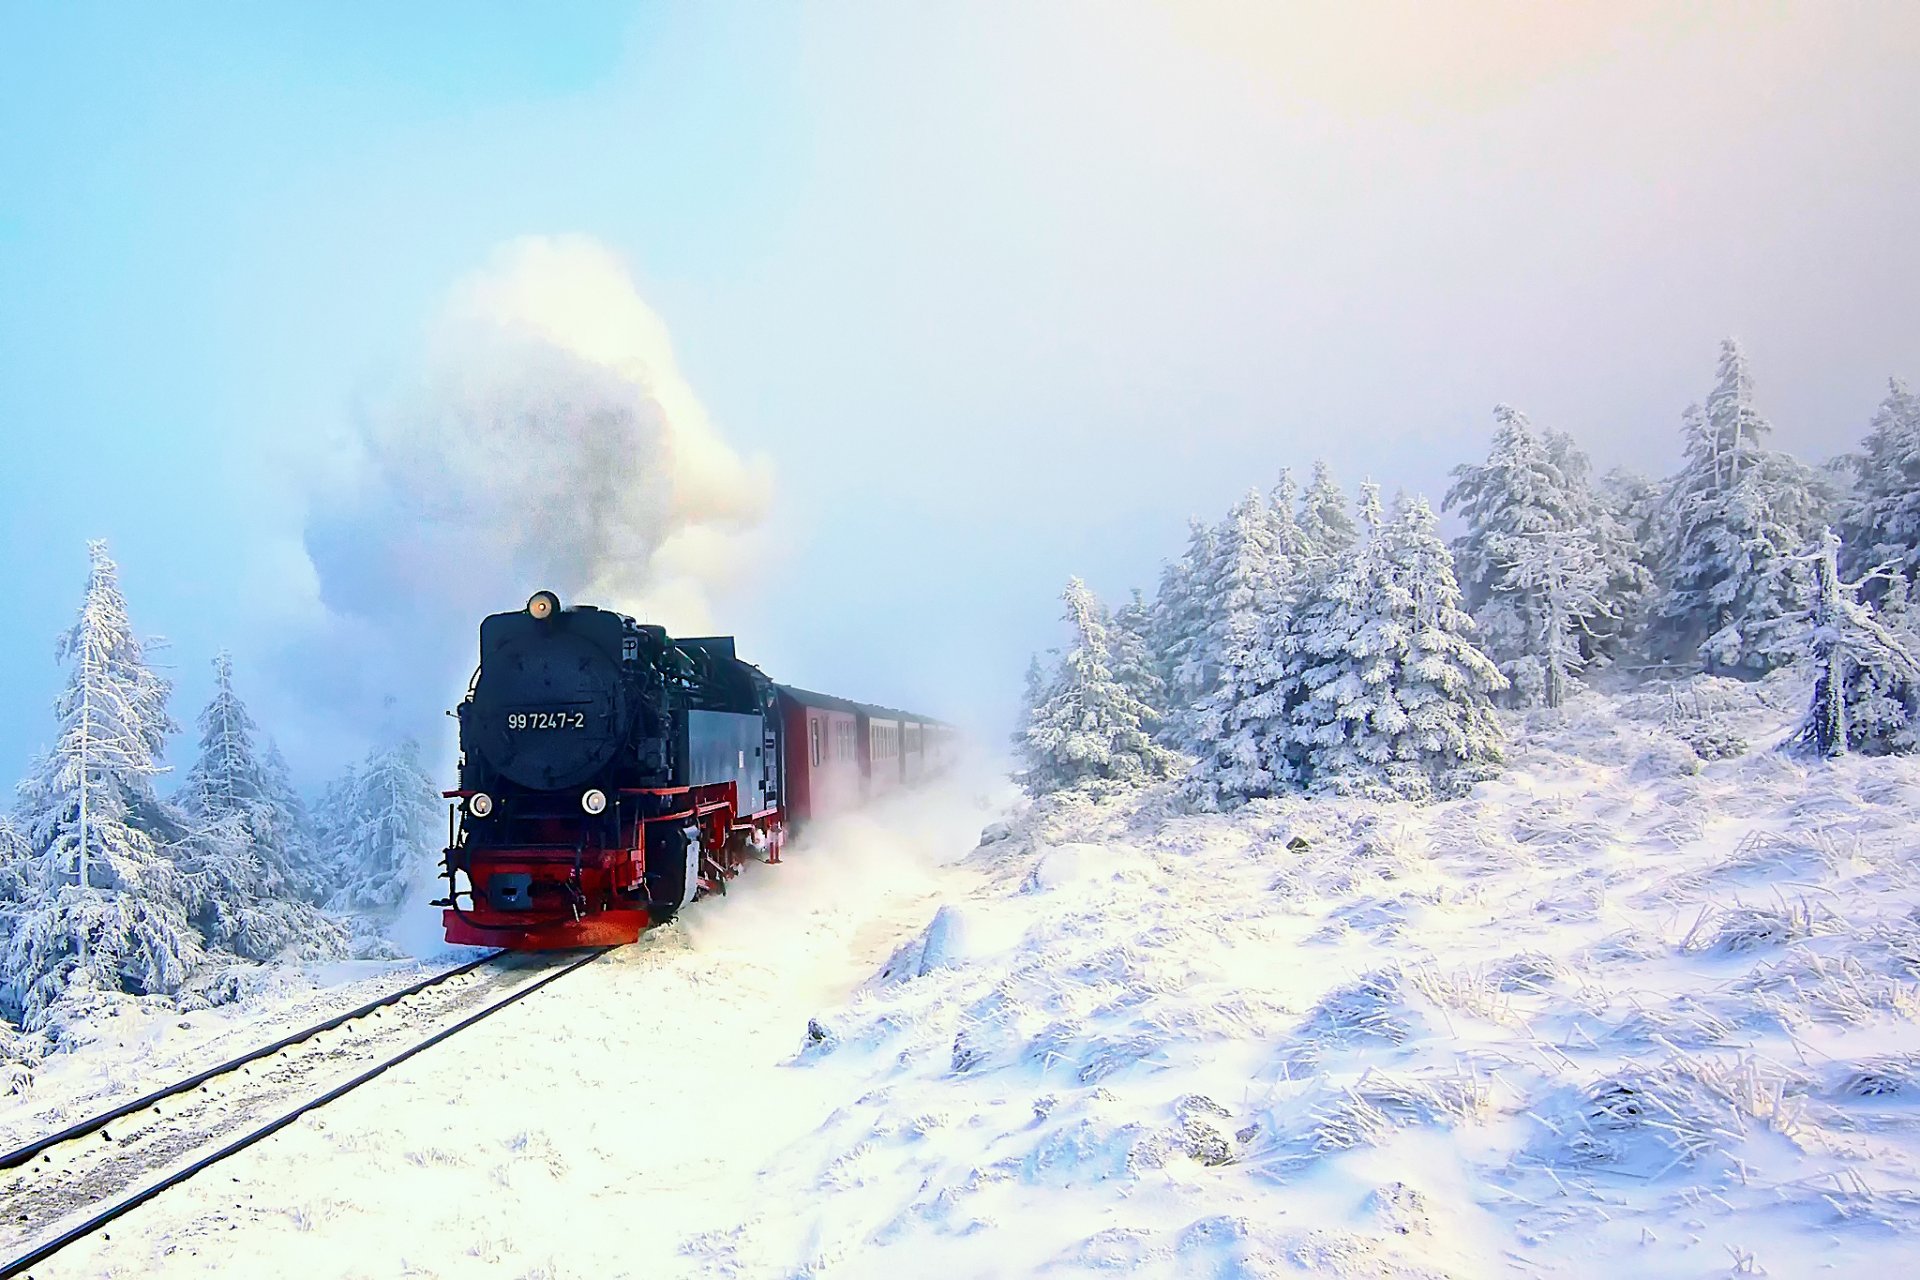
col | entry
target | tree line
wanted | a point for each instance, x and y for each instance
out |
(1307, 642)
(108, 888)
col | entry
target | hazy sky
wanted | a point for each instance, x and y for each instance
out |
(994, 293)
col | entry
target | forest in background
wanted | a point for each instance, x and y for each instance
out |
(112, 890)
(1303, 645)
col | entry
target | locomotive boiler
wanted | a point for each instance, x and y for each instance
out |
(611, 773)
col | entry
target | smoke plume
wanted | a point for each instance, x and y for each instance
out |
(547, 439)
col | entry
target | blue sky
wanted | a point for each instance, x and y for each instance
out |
(1002, 292)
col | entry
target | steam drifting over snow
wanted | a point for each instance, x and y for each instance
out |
(547, 439)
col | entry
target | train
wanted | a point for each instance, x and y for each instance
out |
(611, 773)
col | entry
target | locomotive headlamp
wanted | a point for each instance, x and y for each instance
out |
(479, 804)
(594, 800)
(543, 605)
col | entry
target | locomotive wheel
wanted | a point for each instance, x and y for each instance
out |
(668, 887)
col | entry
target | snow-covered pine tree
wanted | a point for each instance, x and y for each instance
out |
(1737, 520)
(1088, 731)
(1626, 558)
(1033, 693)
(104, 909)
(1534, 485)
(1239, 714)
(1633, 505)
(1560, 573)
(1133, 661)
(1386, 694)
(1880, 522)
(241, 860)
(1326, 524)
(393, 831)
(15, 859)
(1283, 521)
(1180, 614)
(1866, 675)
(334, 821)
(293, 826)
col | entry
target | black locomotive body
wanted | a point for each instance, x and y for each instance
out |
(609, 773)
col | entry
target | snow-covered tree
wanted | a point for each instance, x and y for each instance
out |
(1534, 486)
(1738, 517)
(390, 832)
(1088, 730)
(104, 908)
(1881, 518)
(293, 826)
(1866, 675)
(1326, 524)
(1560, 574)
(1235, 716)
(242, 860)
(1033, 694)
(1181, 612)
(1133, 660)
(1385, 692)
(16, 857)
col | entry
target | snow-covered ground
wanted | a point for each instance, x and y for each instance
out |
(1620, 1011)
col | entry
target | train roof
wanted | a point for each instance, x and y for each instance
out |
(807, 697)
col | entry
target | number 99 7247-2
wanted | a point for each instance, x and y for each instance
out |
(547, 720)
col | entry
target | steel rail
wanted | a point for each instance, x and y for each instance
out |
(107, 1216)
(22, 1155)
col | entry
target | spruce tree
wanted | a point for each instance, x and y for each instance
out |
(1385, 692)
(1738, 518)
(1326, 523)
(1238, 714)
(242, 861)
(1088, 731)
(1181, 611)
(1533, 491)
(1133, 660)
(1033, 693)
(1866, 675)
(395, 815)
(104, 909)
(1881, 517)
(1560, 573)
(293, 826)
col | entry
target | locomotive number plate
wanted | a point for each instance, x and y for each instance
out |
(547, 720)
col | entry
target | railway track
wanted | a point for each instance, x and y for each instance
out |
(65, 1186)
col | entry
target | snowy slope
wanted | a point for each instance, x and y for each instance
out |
(1607, 1014)
(1620, 1011)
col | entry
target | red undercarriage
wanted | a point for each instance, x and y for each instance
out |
(591, 895)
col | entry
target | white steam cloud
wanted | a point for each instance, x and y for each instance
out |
(548, 439)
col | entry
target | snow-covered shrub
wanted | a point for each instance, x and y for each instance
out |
(1651, 1120)
(1742, 927)
(20, 1053)
(1710, 739)
(1891, 1076)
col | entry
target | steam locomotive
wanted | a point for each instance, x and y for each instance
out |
(611, 773)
